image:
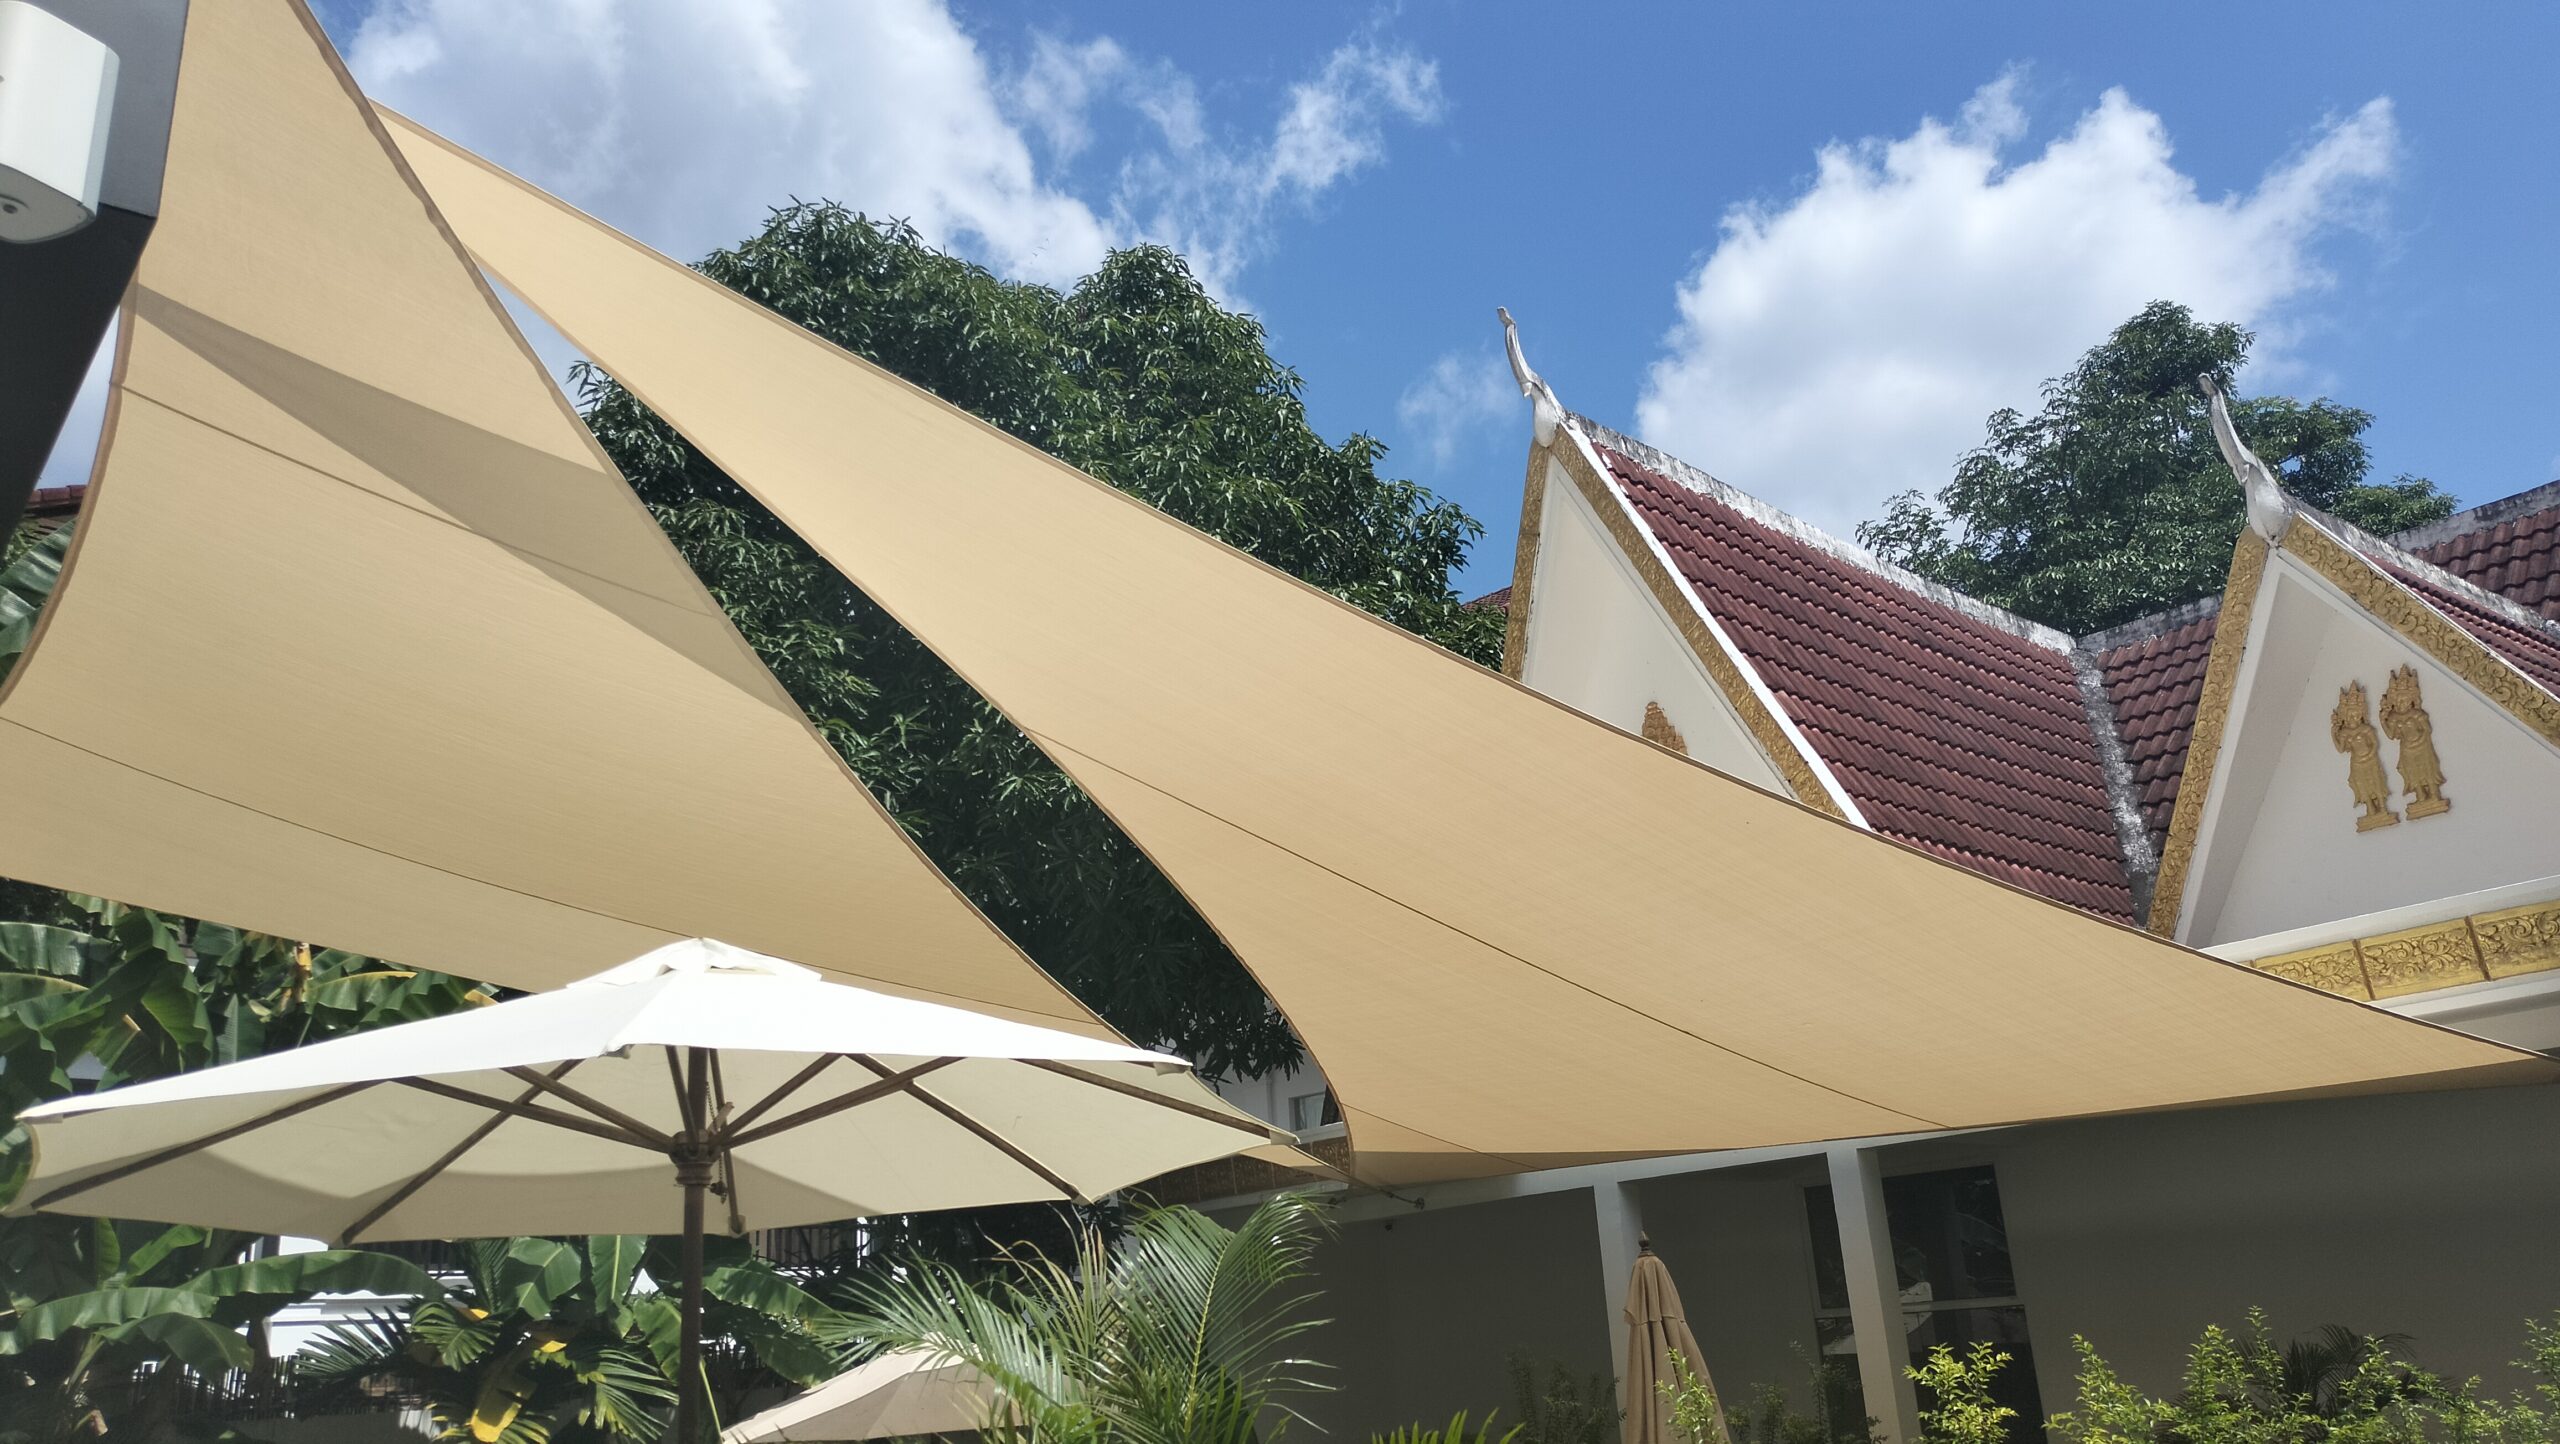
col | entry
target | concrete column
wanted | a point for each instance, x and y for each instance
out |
(1621, 1229)
(1875, 1292)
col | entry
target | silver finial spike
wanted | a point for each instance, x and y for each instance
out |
(2270, 512)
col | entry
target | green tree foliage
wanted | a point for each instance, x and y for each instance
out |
(93, 1300)
(2112, 501)
(1138, 377)
(1180, 1334)
(563, 1341)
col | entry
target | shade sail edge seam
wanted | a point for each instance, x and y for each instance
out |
(324, 473)
(884, 985)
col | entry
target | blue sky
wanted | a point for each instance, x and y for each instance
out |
(1806, 247)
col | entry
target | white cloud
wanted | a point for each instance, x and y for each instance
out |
(1215, 199)
(1849, 342)
(1461, 396)
(684, 122)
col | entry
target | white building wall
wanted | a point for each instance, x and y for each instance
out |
(1599, 642)
(1426, 1307)
(2424, 1214)
(2282, 850)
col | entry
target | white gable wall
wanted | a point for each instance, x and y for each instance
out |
(1599, 642)
(2280, 849)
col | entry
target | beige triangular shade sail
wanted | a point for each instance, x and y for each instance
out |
(1513, 937)
(1657, 1332)
(363, 640)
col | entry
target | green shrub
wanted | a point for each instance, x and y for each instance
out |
(1568, 1408)
(1453, 1432)
(2338, 1388)
(1960, 1407)
(1833, 1388)
(1696, 1417)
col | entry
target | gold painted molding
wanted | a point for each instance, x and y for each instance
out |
(1524, 561)
(1677, 602)
(2456, 650)
(2204, 740)
(1659, 731)
(2503, 944)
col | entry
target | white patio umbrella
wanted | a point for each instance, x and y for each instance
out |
(899, 1395)
(571, 1111)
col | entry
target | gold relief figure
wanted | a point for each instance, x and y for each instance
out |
(2351, 731)
(2405, 721)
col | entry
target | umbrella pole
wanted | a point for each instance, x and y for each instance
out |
(689, 1347)
(696, 1159)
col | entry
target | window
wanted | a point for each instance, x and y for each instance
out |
(1306, 1111)
(1951, 1255)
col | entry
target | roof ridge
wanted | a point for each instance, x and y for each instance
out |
(2052, 639)
(2377, 548)
(2479, 518)
(2115, 770)
(2158, 624)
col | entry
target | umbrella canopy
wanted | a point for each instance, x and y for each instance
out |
(794, 1099)
(895, 1396)
(558, 1113)
(1657, 1330)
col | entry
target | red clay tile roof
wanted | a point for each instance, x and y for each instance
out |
(1496, 601)
(1953, 734)
(2535, 652)
(49, 508)
(2154, 683)
(2514, 551)
(1968, 738)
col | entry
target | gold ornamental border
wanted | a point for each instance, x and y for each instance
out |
(1524, 562)
(1683, 608)
(2204, 740)
(2382, 597)
(2506, 943)
(2434, 633)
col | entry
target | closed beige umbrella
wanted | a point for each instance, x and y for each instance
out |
(1657, 1328)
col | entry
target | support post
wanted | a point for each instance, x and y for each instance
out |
(696, 1159)
(1875, 1292)
(1621, 1236)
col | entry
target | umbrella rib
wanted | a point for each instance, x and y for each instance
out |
(194, 1145)
(762, 1106)
(604, 1111)
(534, 1111)
(1212, 1115)
(684, 1099)
(406, 1191)
(728, 1160)
(985, 1134)
(837, 1104)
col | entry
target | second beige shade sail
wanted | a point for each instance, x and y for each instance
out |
(1513, 937)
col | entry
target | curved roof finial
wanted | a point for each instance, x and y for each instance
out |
(1547, 411)
(2270, 511)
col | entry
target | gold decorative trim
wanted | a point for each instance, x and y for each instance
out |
(1524, 562)
(1683, 609)
(2333, 969)
(2503, 944)
(1659, 731)
(2518, 940)
(2421, 960)
(2204, 741)
(2456, 650)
